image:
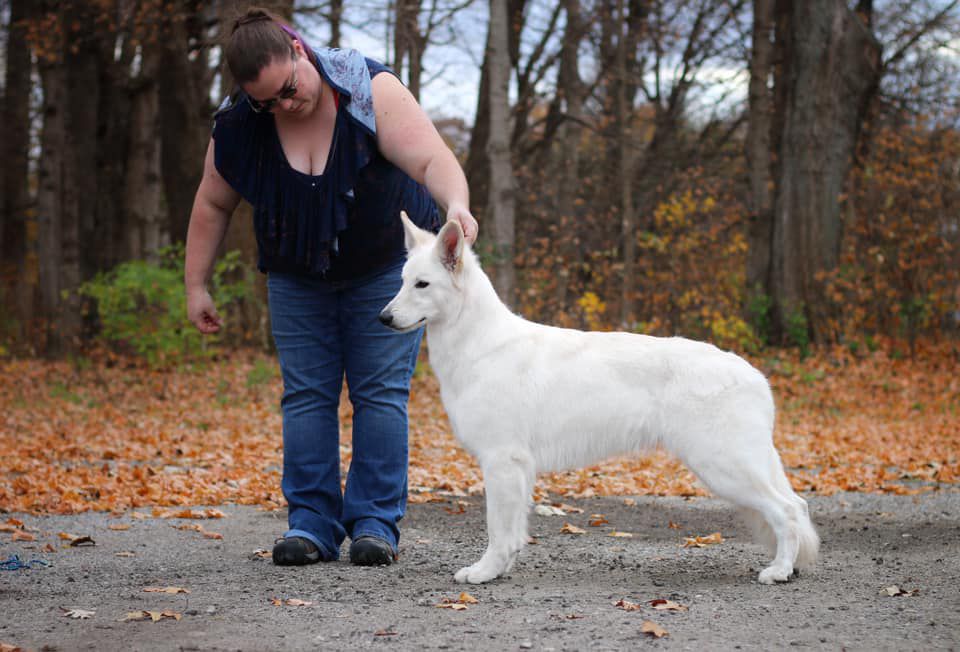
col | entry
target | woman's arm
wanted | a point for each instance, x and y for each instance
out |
(408, 139)
(212, 207)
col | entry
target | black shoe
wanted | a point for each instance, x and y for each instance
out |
(295, 551)
(371, 551)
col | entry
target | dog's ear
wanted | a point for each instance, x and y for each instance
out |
(450, 245)
(413, 235)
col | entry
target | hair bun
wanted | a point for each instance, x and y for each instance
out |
(252, 16)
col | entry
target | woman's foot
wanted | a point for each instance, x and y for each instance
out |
(371, 551)
(295, 551)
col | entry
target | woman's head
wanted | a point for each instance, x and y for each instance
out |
(256, 40)
(270, 62)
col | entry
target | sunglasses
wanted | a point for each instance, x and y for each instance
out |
(286, 93)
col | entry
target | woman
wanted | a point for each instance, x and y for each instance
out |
(328, 147)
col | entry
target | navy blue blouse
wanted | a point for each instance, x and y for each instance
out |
(341, 224)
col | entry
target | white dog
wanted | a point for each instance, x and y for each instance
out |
(525, 398)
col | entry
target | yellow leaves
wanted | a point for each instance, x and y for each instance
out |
(653, 629)
(702, 542)
(572, 529)
(667, 605)
(154, 616)
(460, 604)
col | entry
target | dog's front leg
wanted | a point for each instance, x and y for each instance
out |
(508, 477)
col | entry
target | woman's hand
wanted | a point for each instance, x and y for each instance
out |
(461, 214)
(201, 311)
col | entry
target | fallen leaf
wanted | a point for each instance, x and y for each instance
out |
(79, 614)
(893, 591)
(385, 632)
(456, 606)
(20, 535)
(155, 616)
(9, 647)
(652, 628)
(290, 602)
(673, 526)
(119, 526)
(667, 605)
(211, 535)
(261, 553)
(165, 589)
(629, 502)
(626, 605)
(48, 548)
(466, 598)
(461, 508)
(14, 522)
(548, 510)
(82, 541)
(621, 535)
(125, 553)
(597, 520)
(571, 529)
(702, 542)
(569, 509)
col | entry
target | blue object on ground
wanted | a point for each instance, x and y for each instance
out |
(13, 562)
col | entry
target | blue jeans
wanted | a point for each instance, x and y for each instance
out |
(322, 330)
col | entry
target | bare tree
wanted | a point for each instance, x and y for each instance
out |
(501, 202)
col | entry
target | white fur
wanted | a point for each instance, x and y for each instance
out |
(525, 398)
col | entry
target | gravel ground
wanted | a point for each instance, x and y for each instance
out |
(561, 594)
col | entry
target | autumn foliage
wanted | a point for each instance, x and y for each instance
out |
(109, 433)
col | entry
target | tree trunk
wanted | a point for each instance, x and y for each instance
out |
(759, 162)
(477, 166)
(335, 18)
(568, 214)
(831, 71)
(408, 43)
(50, 198)
(625, 151)
(502, 198)
(184, 80)
(18, 276)
(142, 197)
(113, 145)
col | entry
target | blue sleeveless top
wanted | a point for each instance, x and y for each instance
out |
(343, 223)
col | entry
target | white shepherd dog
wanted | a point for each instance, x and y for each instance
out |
(525, 398)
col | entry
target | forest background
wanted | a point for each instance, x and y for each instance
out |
(779, 177)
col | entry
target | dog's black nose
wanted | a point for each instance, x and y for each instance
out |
(386, 318)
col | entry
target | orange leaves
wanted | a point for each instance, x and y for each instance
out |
(112, 437)
(460, 604)
(702, 542)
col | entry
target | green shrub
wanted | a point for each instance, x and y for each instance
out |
(141, 306)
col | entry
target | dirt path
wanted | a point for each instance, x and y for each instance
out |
(560, 595)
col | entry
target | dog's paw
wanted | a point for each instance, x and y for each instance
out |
(476, 574)
(774, 574)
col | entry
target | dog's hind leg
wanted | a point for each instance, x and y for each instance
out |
(508, 477)
(747, 475)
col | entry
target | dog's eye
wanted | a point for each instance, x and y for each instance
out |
(421, 284)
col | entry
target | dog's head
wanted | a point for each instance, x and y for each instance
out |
(432, 277)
